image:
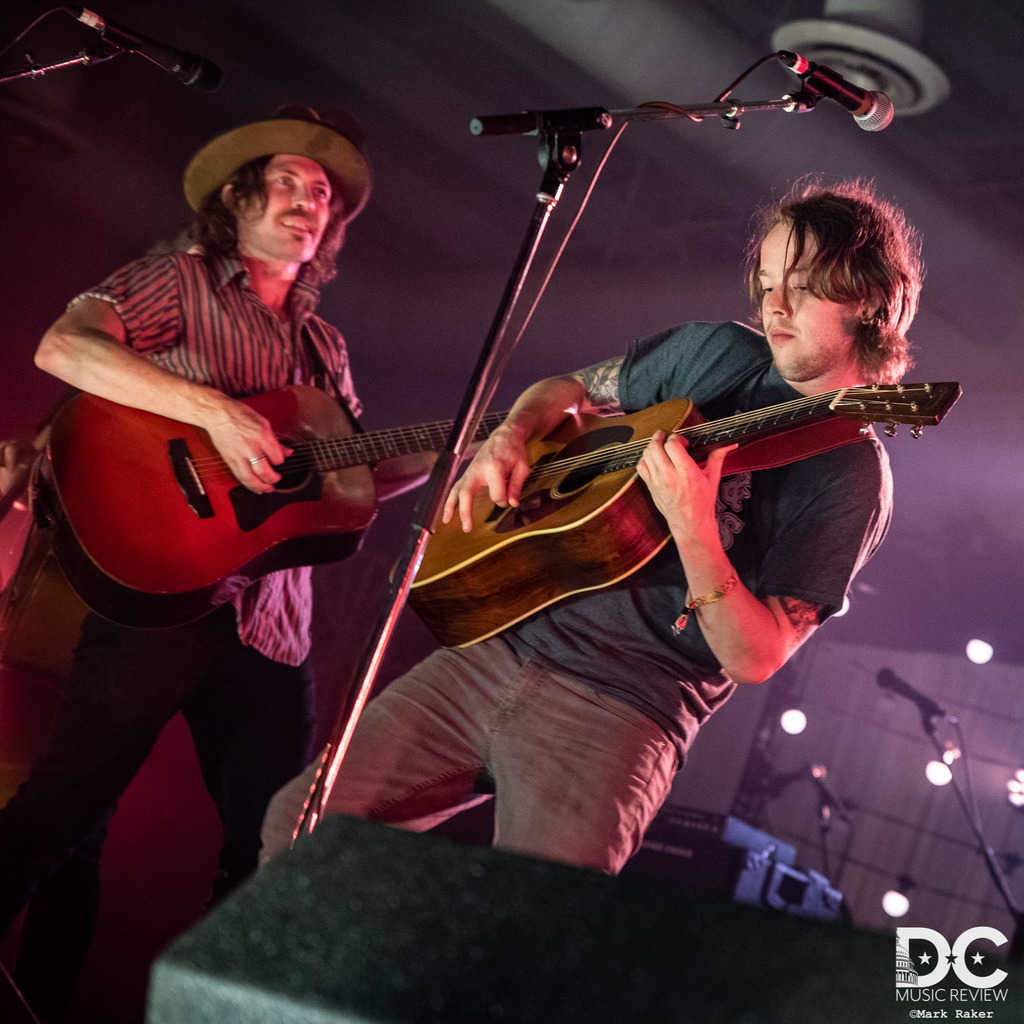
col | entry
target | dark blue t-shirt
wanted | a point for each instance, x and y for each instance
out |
(801, 530)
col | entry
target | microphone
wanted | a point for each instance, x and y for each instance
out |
(829, 801)
(873, 111)
(930, 711)
(189, 68)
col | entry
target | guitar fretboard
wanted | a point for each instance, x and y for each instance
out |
(361, 449)
(917, 404)
(758, 423)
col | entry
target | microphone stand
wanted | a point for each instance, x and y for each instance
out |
(931, 714)
(560, 135)
(560, 156)
(95, 54)
(829, 807)
(970, 809)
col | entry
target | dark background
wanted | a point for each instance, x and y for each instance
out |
(90, 169)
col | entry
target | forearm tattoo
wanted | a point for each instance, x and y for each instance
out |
(602, 384)
(804, 615)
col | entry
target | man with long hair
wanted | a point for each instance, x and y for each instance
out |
(577, 716)
(187, 333)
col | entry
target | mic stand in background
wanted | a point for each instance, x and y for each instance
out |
(969, 805)
(931, 714)
(560, 152)
(829, 807)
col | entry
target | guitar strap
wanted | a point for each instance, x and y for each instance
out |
(324, 380)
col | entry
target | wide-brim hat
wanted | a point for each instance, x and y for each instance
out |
(333, 140)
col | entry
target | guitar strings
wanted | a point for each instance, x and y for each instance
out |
(714, 431)
(313, 453)
(629, 452)
(357, 449)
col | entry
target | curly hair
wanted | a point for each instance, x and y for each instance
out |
(866, 253)
(214, 226)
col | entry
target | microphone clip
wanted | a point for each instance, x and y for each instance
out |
(99, 52)
(802, 101)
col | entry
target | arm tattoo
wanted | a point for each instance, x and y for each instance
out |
(602, 384)
(804, 615)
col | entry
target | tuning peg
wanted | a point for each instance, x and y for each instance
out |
(916, 431)
(890, 430)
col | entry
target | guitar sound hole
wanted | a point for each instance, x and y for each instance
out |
(545, 498)
(294, 474)
(576, 481)
(597, 462)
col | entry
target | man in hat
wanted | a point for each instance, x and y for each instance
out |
(185, 334)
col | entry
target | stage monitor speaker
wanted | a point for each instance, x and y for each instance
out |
(365, 923)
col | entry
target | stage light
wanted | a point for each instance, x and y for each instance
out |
(979, 652)
(950, 754)
(1015, 788)
(793, 721)
(938, 773)
(895, 903)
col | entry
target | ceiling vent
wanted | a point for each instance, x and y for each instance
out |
(871, 43)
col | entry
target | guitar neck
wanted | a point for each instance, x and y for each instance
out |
(915, 404)
(364, 449)
(749, 426)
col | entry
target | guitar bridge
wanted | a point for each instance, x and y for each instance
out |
(188, 479)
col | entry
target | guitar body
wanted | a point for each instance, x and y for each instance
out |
(152, 529)
(580, 529)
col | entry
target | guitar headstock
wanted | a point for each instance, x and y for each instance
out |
(918, 404)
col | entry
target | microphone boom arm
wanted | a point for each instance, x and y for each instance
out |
(533, 122)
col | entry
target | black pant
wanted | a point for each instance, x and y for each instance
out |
(251, 722)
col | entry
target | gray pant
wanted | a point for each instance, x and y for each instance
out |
(577, 775)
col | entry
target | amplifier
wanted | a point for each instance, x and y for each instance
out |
(686, 846)
(719, 854)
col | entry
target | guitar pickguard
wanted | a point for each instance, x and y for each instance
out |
(253, 510)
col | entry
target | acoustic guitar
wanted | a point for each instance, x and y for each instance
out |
(152, 529)
(585, 520)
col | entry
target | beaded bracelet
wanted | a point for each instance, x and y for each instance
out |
(699, 602)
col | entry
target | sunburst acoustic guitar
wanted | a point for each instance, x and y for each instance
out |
(152, 529)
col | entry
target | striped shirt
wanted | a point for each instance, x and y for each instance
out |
(202, 321)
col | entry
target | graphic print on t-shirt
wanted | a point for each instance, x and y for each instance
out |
(732, 493)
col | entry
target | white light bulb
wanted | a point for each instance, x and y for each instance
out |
(793, 721)
(979, 652)
(938, 773)
(895, 904)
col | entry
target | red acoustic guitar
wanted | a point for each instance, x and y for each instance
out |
(152, 529)
(583, 520)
